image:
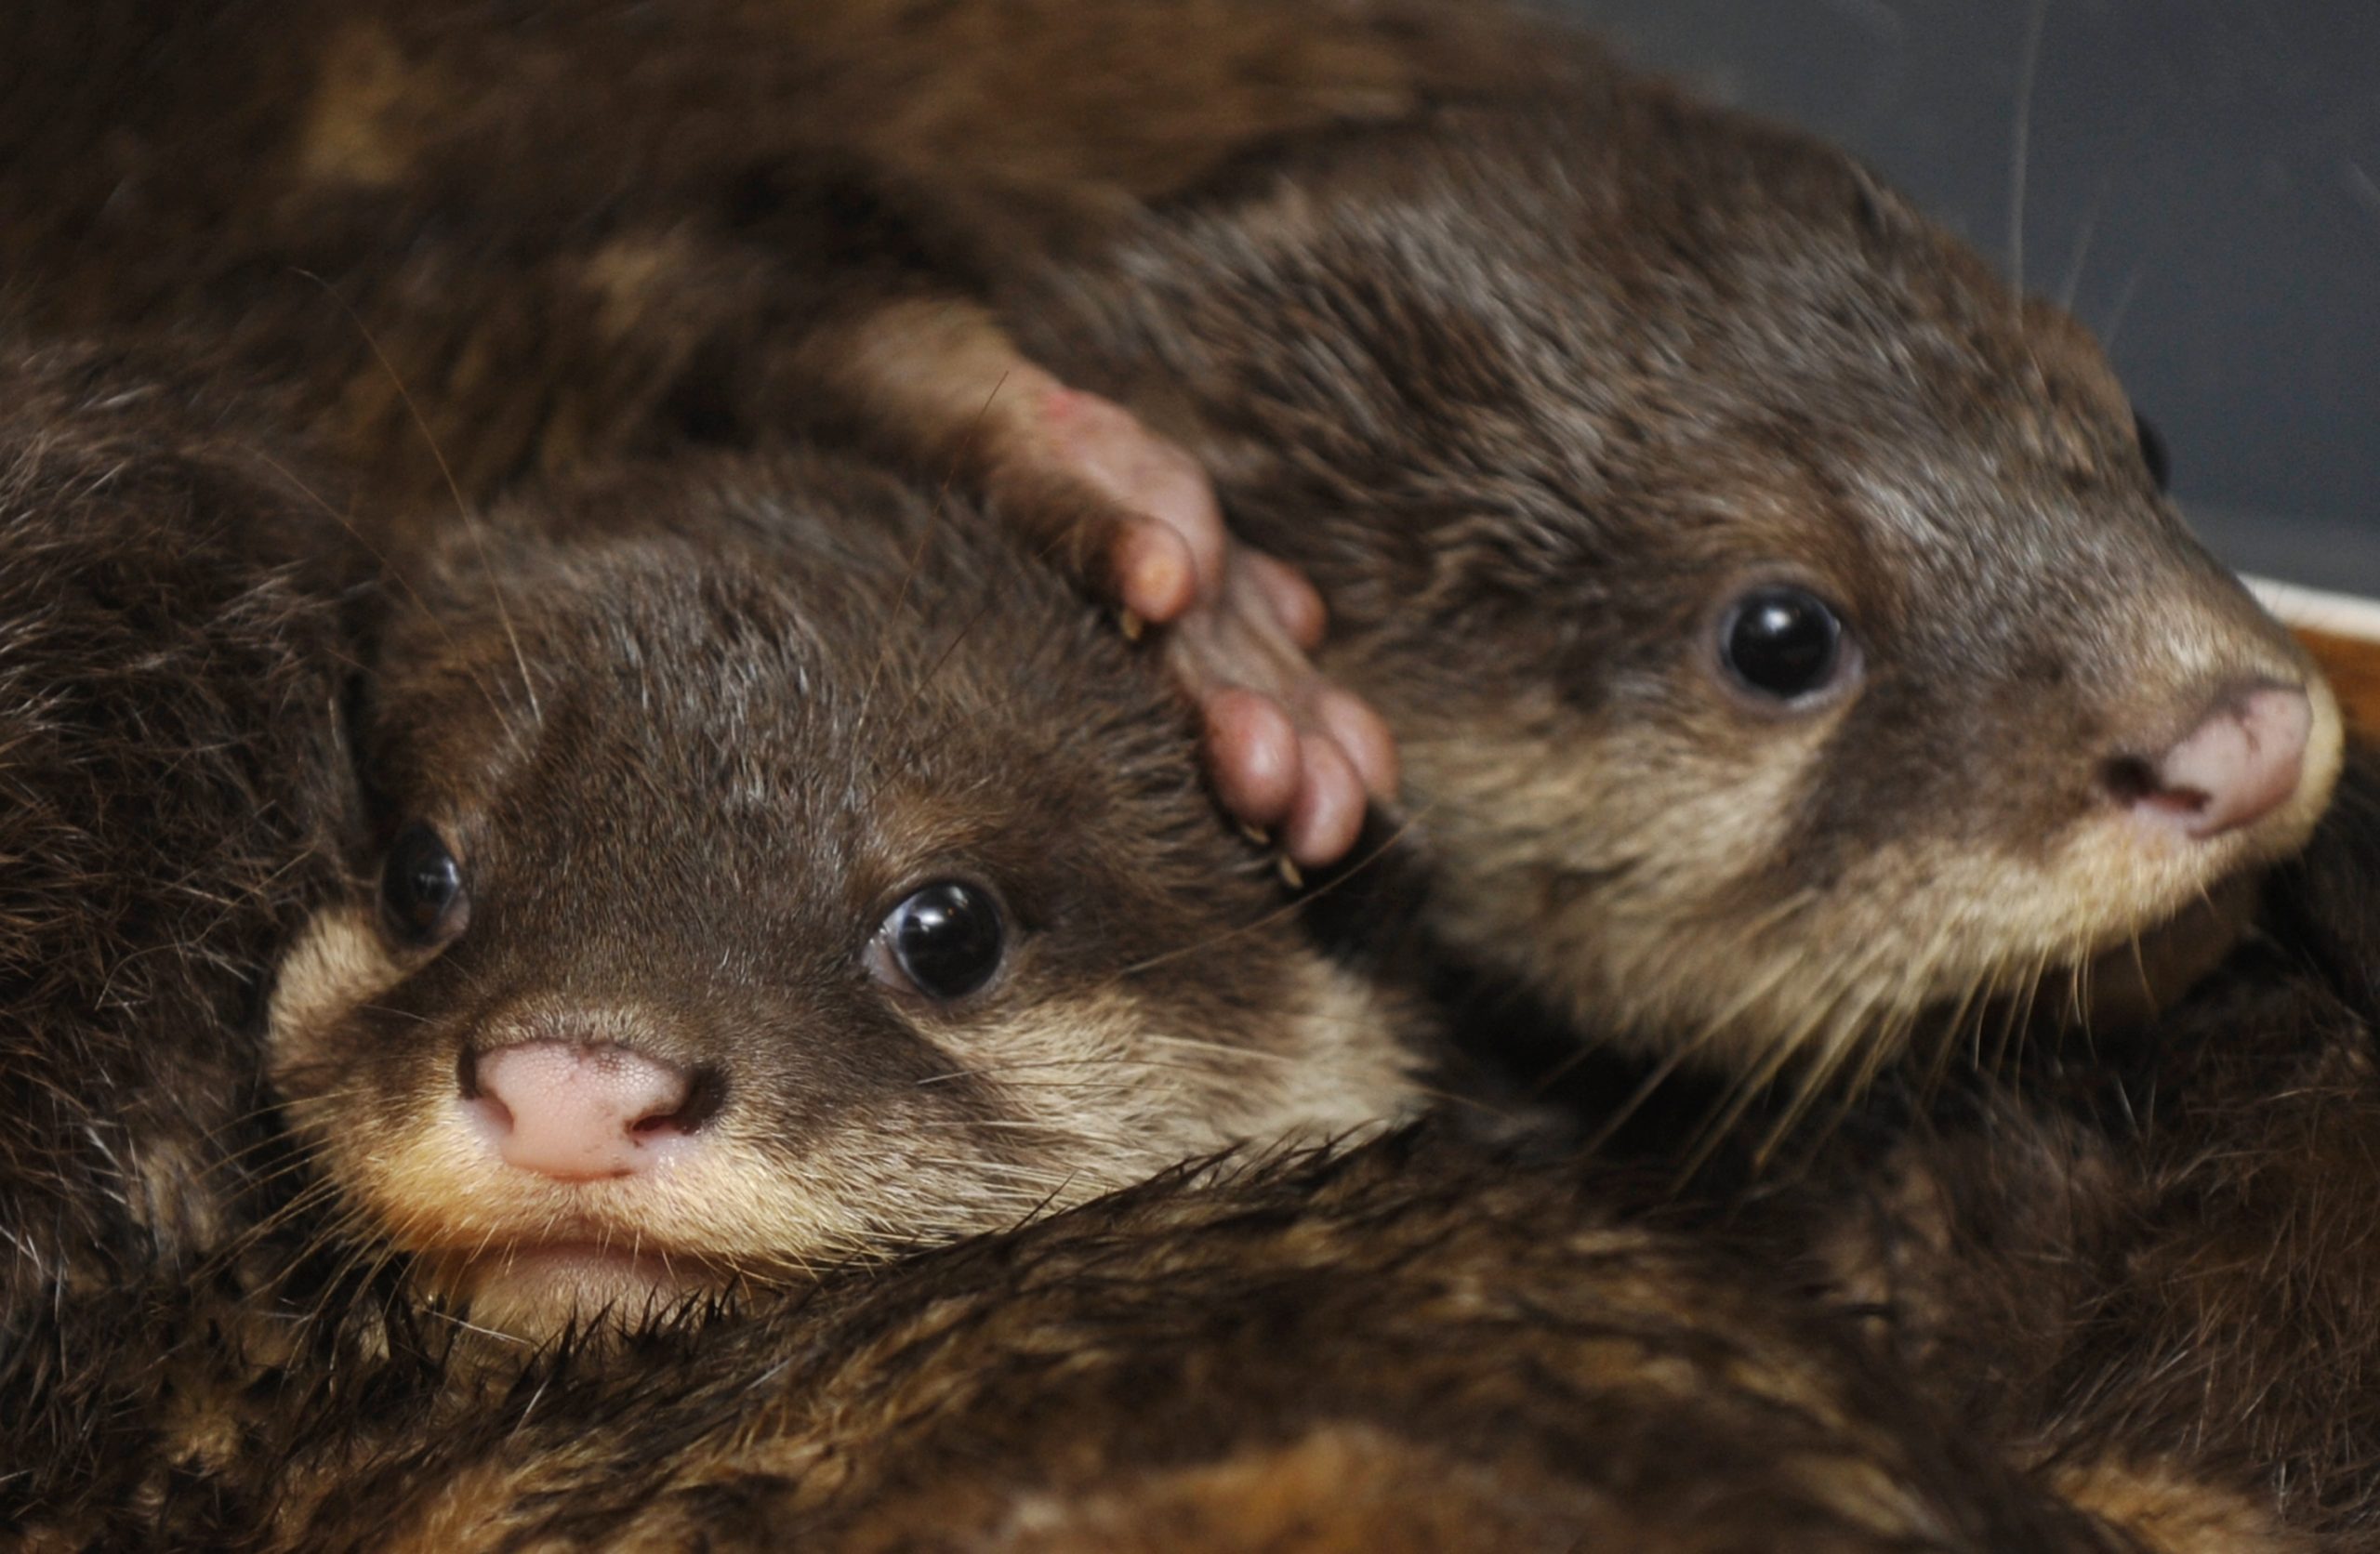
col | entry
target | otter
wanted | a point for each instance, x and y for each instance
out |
(757, 867)
(1788, 581)
(776, 870)
(1792, 285)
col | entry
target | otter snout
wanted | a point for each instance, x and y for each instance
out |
(2244, 760)
(582, 1112)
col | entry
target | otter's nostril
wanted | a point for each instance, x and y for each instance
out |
(706, 1093)
(2133, 779)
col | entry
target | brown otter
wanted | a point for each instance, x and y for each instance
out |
(460, 281)
(765, 869)
(1761, 249)
(1786, 581)
(774, 871)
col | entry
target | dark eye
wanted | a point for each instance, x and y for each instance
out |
(1782, 642)
(946, 939)
(2152, 450)
(421, 887)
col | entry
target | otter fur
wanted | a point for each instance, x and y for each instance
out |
(1550, 376)
(174, 794)
(1409, 1345)
(1548, 427)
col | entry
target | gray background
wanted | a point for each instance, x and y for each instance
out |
(2202, 178)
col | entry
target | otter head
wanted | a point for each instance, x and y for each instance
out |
(760, 885)
(1789, 638)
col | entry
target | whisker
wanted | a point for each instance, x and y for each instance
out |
(462, 508)
(2020, 153)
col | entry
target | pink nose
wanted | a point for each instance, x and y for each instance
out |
(580, 1112)
(2238, 766)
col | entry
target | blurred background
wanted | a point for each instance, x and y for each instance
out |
(2201, 177)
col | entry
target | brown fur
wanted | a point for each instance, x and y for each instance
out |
(1315, 1328)
(693, 733)
(174, 796)
(1563, 356)
(1532, 364)
(590, 234)
(2155, 1274)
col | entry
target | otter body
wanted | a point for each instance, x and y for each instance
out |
(1410, 1345)
(175, 795)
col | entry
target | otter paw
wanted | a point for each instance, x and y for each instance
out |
(1286, 750)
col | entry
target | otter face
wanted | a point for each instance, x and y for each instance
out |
(786, 894)
(1787, 637)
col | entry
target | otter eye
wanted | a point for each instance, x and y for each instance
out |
(946, 939)
(1782, 642)
(2152, 450)
(421, 887)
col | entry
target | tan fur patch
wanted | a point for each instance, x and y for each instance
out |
(1338, 1488)
(2174, 1513)
(1091, 1094)
(1663, 930)
(357, 129)
(338, 962)
(630, 274)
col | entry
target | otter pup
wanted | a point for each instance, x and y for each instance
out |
(775, 871)
(1744, 568)
(1784, 629)
(456, 281)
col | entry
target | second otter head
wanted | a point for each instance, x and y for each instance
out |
(760, 885)
(1788, 638)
